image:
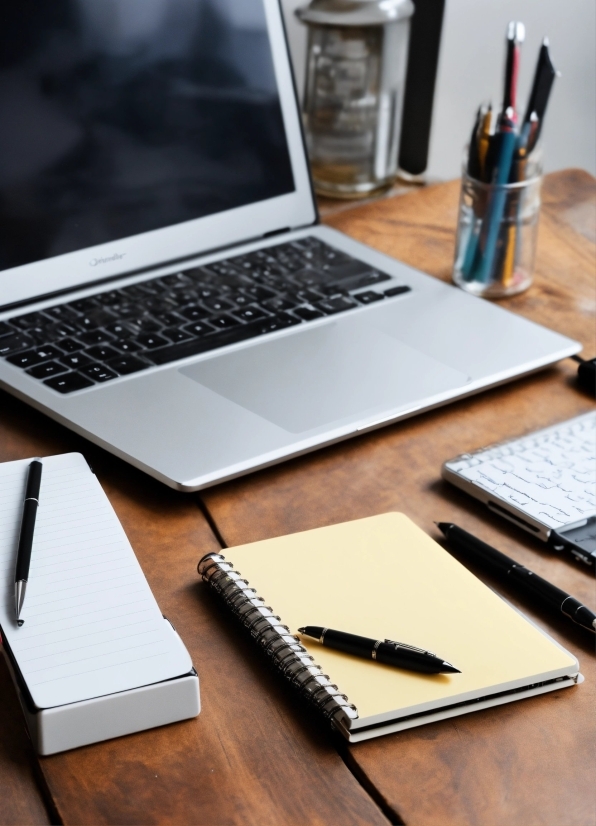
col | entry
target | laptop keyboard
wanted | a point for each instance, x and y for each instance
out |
(96, 339)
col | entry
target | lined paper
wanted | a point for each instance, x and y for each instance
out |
(92, 626)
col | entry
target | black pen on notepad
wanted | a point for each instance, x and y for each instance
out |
(30, 506)
(387, 652)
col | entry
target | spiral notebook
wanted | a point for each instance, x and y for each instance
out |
(383, 577)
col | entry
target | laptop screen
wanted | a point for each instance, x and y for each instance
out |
(118, 117)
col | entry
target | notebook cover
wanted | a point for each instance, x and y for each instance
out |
(383, 577)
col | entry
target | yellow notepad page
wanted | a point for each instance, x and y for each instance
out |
(383, 577)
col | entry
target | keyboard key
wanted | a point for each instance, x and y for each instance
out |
(278, 322)
(364, 280)
(101, 352)
(277, 304)
(60, 330)
(168, 319)
(24, 359)
(124, 365)
(223, 322)
(95, 319)
(151, 340)
(144, 323)
(217, 305)
(397, 290)
(85, 305)
(199, 328)
(119, 330)
(69, 345)
(75, 360)
(194, 313)
(47, 369)
(6, 329)
(240, 300)
(69, 382)
(96, 337)
(48, 352)
(369, 297)
(258, 293)
(23, 322)
(61, 313)
(175, 334)
(98, 372)
(126, 345)
(311, 278)
(251, 313)
(14, 343)
(307, 313)
(336, 305)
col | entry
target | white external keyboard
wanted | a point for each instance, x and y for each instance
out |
(549, 475)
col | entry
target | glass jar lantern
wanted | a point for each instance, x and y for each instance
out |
(355, 79)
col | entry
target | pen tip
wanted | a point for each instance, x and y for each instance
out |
(520, 32)
(449, 669)
(301, 630)
(20, 622)
(546, 42)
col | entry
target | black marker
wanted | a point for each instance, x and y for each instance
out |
(387, 652)
(26, 537)
(530, 583)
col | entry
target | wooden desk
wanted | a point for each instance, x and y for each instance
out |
(251, 757)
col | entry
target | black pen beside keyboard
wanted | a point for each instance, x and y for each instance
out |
(122, 331)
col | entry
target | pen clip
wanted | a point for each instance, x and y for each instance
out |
(410, 647)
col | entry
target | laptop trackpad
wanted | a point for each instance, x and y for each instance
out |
(326, 374)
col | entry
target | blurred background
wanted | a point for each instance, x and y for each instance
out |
(471, 66)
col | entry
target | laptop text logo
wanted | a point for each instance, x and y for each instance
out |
(95, 262)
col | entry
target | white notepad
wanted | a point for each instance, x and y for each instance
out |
(92, 626)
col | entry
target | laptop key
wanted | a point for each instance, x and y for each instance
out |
(223, 322)
(47, 369)
(75, 360)
(95, 337)
(14, 343)
(6, 329)
(251, 313)
(277, 304)
(69, 345)
(365, 280)
(101, 352)
(194, 313)
(69, 382)
(307, 313)
(336, 305)
(369, 297)
(124, 365)
(151, 340)
(199, 328)
(217, 305)
(98, 372)
(126, 345)
(174, 334)
(403, 288)
(119, 330)
(24, 359)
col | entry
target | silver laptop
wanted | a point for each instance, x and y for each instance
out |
(166, 288)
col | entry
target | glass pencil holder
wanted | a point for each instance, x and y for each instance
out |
(496, 235)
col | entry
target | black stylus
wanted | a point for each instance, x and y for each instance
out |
(26, 537)
(530, 583)
(387, 652)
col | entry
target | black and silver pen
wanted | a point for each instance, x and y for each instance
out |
(387, 652)
(530, 583)
(26, 537)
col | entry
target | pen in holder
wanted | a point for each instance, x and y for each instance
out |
(496, 235)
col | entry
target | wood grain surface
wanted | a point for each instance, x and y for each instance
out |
(247, 759)
(253, 756)
(530, 762)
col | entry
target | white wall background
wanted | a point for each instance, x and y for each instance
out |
(471, 69)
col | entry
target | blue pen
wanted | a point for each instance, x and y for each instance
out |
(496, 205)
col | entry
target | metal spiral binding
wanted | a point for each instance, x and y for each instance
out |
(276, 640)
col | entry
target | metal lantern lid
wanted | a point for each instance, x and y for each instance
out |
(355, 12)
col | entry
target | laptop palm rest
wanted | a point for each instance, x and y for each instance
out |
(326, 374)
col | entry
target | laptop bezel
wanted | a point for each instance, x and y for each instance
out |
(101, 263)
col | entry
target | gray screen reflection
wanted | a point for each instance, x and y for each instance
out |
(122, 116)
